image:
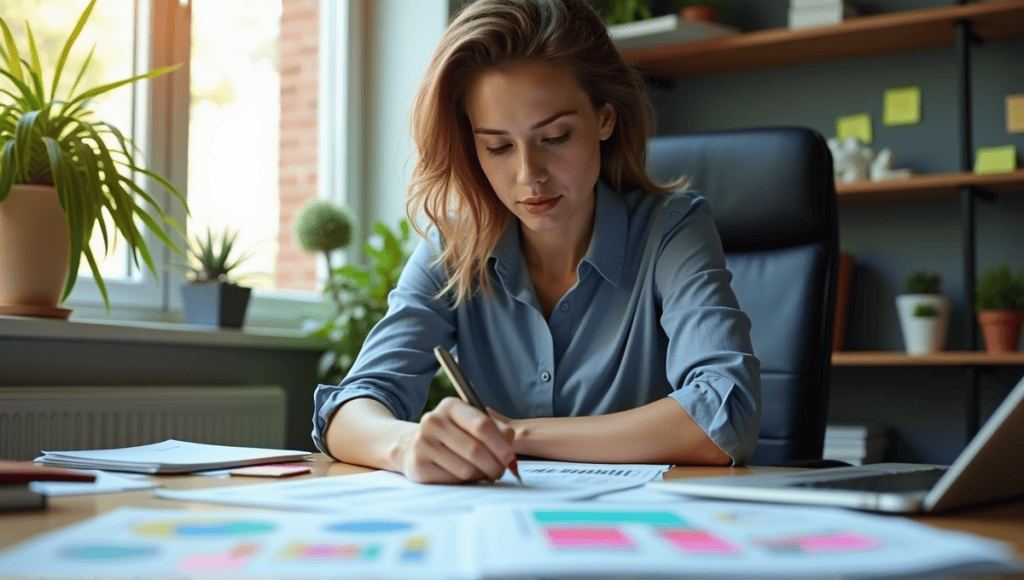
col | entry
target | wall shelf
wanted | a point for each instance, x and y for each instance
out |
(945, 358)
(935, 186)
(860, 36)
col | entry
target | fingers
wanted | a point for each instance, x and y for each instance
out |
(457, 443)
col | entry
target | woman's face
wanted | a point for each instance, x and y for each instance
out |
(538, 141)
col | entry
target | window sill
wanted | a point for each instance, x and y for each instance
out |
(155, 332)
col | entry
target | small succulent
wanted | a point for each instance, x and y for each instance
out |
(924, 282)
(926, 310)
(210, 257)
(622, 11)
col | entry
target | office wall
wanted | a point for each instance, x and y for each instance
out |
(890, 241)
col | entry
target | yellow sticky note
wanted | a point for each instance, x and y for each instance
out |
(902, 106)
(857, 125)
(1002, 159)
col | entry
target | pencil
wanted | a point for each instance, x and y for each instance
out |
(466, 392)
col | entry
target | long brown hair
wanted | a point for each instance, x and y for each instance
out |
(448, 184)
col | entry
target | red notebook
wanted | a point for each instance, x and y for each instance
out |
(25, 471)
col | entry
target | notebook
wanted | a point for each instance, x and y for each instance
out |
(989, 469)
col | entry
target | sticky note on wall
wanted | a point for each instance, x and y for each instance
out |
(1015, 113)
(858, 125)
(902, 106)
(1001, 159)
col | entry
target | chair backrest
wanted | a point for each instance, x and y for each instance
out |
(772, 195)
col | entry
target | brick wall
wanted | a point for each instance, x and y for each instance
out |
(299, 62)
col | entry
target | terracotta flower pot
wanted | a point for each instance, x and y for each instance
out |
(699, 12)
(34, 252)
(1001, 329)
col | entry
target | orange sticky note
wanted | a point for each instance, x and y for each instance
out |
(270, 470)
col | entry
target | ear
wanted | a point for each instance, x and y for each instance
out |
(605, 121)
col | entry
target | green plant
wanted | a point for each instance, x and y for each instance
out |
(210, 257)
(998, 288)
(358, 291)
(926, 310)
(48, 140)
(923, 282)
(622, 11)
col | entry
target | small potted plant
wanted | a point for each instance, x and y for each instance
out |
(923, 313)
(212, 297)
(999, 301)
(622, 11)
(63, 172)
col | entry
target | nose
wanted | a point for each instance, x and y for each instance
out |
(531, 167)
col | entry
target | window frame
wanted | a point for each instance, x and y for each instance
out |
(166, 104)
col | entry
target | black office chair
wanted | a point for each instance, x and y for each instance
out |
(772, 195)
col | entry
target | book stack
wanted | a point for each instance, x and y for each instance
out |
(856, 443)
(808, 13)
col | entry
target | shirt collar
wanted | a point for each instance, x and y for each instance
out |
(606, 253)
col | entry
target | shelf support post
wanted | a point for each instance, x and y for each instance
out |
(967, 217)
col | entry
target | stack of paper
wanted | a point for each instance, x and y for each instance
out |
(856, 443)
(808, 13)
(171, 456)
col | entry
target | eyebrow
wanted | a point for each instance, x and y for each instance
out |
(535, 126)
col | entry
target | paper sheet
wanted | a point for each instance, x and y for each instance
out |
(543, 481)
(104, 483)
(720, 539)
(143, 544)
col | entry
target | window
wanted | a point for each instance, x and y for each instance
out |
(236, 130)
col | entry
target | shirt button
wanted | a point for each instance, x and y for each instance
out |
(565, 307)
(545, 377)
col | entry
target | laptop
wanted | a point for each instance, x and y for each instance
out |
(990, 468)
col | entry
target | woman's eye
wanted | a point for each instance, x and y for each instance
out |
(560, 139)
(498, 150)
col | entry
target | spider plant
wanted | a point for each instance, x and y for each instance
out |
(46, 139)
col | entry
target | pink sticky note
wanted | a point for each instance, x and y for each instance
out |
(697, 541)
(270, 470)
(587, 538)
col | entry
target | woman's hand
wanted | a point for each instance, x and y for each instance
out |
(456, 443)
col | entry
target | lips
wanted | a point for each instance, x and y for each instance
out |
(539, 205)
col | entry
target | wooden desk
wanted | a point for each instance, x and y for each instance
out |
(1004, 521)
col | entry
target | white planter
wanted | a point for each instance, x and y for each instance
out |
(923, 334)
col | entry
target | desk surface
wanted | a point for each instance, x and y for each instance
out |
(1004, 521)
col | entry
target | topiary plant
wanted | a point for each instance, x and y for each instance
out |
(924, 282)
(998, 288)
(359, 291)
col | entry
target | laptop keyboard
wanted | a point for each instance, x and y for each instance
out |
(922, 479)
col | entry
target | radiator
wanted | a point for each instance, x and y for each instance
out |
(64, 418)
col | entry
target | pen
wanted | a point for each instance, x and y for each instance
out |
(466, 392)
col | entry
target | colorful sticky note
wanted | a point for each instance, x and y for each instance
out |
(902, 106)
(858, 125)
(1015, 113)
(1002, 159)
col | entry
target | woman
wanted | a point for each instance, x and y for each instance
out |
(589, 306)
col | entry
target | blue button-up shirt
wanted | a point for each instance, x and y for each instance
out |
(651, 316)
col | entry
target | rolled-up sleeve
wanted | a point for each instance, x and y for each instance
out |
(710, 365)
(396, 363)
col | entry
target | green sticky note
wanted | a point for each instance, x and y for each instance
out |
(1002, 159)
(857, 125)
(902, 106)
